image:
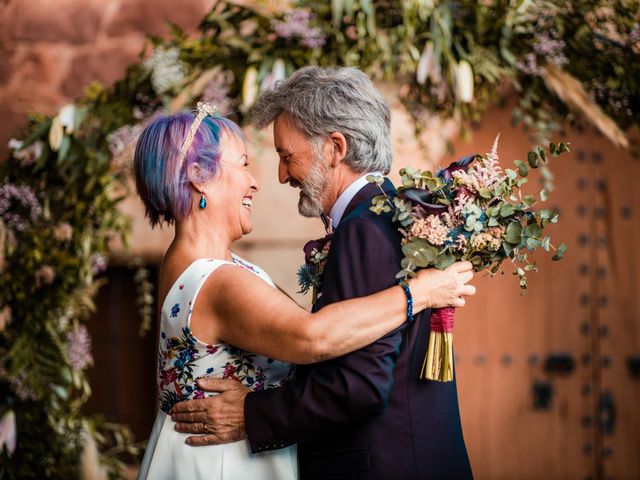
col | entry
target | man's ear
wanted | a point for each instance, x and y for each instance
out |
(338, 146)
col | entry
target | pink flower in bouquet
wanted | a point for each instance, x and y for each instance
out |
(491, 239)
(431, 229)
(481, 175)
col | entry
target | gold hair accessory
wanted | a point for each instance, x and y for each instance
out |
(204, 109)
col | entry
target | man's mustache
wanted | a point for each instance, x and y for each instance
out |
(295, 183)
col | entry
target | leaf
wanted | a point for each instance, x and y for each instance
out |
(511, 174)
(420, 252)
(544, 195)
(485, 193)
(65, 146)
(377, 179)
(444, 261)
(523, 170)
(559, 253)
(514, 233)
(532, 158)
(506, 210)
(533, 243)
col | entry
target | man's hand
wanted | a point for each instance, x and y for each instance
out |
(218, 419)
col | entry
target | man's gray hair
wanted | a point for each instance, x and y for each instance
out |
(320, 101)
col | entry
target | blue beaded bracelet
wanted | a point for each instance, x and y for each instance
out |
(407, 291)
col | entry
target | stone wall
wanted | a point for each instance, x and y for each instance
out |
(51, 49)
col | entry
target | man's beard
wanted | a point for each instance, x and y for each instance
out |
(313, 188)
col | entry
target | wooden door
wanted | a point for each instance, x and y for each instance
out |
(123, 378)
(544, 385)
(615, 302)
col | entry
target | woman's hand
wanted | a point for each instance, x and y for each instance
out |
(443, 288)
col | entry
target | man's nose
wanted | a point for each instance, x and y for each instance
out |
(283, 174)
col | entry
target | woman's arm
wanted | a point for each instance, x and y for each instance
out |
(252, 315)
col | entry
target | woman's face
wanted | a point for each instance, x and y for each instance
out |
(235, 186)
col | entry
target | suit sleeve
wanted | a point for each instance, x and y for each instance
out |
(328, 396)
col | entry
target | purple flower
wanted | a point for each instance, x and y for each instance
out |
(463, 164)
(422, 198)
(216, 92)
(15, 202)
(79, 348)
(198, 394)
(296, 24)
(99, 263)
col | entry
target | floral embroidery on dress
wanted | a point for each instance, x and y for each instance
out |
(182, 358)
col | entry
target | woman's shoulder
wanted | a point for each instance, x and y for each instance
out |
(252, 267)
(180, 278)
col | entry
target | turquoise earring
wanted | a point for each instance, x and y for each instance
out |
(203, 201)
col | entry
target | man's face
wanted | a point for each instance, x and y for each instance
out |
(301, 166)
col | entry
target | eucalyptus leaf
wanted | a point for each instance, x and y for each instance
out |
(514, 233)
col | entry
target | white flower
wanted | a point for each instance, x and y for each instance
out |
(424, 64)
(464, 81)
(277, 73)
(166, 68)
(67, 116)
(8, 432)
(56, 134)
(15, 144)
(250, 87)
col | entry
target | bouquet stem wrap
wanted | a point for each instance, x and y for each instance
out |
(438, 362)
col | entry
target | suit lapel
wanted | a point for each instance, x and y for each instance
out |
(367, 193)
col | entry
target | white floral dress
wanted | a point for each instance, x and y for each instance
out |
(182, 358)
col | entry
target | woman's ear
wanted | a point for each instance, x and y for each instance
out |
(194, 173)
(338, 148)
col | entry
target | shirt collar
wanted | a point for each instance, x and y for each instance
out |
(337, 211)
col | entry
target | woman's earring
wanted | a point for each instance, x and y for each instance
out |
(203, 201)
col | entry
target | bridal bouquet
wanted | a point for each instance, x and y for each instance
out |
(472, 210)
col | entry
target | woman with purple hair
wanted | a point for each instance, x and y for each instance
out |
(191, 171)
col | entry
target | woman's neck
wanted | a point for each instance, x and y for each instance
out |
(201, 240)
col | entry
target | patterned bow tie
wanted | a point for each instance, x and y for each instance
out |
(328, 223)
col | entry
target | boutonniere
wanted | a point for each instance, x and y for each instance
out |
(315, 259)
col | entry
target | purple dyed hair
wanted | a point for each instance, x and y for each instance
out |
(162, 184)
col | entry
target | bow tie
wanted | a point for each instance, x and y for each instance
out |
(328, 223)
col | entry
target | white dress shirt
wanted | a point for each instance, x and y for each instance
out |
(337, 211)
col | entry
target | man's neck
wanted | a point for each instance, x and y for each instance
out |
(344, 178)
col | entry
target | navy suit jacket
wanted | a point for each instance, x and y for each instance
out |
(365, 415)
